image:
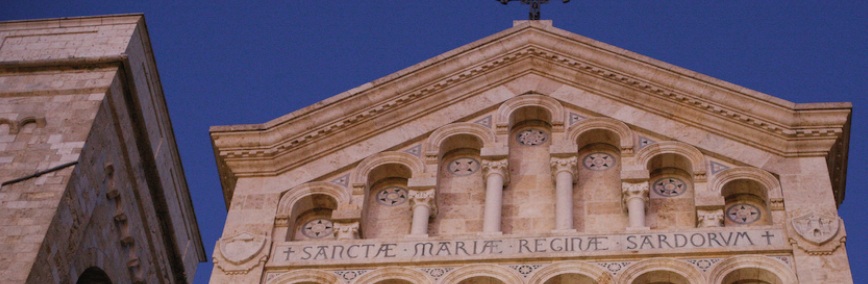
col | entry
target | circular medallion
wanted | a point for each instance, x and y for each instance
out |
(532, 137)
(463, 166)
(392, 196)
(669, 187)
(743, 213)
(598, 161)
(318, 228)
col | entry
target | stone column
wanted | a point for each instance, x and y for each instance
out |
(422, 204)
(564, 172)
(635, 197)
(496, 175)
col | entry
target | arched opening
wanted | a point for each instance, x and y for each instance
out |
(93, 275)
(751, 276)
(597, 196)
(394, 281)
(310, 218)
(460, 187)
(387, 210)
(660, 277)
(746, 203)
(571, 278)
(530, 187)
(671, 192)
(481, 280)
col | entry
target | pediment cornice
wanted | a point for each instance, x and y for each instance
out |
(531, 48)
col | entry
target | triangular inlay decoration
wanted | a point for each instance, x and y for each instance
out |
(344, 180)
(415, 151)
(717, 167)
(485, 121)
(575, 117)
(644, 141)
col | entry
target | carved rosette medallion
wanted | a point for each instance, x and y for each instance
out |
(532, 137)
(463, 166)
(669, 187)
(392, 196)
(599, 161)
(819, 234)
(318, 229)
(240, 253)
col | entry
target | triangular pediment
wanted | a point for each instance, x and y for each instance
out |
(589, 78)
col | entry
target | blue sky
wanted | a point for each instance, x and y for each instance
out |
(234, 62)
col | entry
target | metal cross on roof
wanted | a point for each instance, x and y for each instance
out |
(534, 6)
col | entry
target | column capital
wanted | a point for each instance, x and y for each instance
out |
(564, 164)
(346, 230)
(631, 190)
(709, 218)
(496, 166)
(422, 197)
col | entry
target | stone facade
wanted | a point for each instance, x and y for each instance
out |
(92, 185)
(537, 156)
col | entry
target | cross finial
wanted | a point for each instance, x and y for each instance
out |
(534, 6)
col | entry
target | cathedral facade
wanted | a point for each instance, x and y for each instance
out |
(536, 155)
(92, 185)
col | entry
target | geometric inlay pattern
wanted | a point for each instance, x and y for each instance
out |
(704, 263)
(392, 196)
(598, 161)
(436, 273)
(532, 137)
(743, 213)
(669, 187)
(486, 121)
(349, 275)
(463, 166)
(415, 151)
(318, 228)
(574, 117)
(525, 269)
(717, 167)
(614, 267)
(342, 181)
(644, 141)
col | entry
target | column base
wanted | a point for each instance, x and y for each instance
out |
(490, 234)
(416, 237)
(638, 229)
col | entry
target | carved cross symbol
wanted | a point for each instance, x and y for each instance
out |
(534, 6)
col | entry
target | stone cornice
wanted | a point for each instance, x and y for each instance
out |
(795, 129)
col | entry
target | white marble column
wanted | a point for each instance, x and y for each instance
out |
(564, 172)
(496, 174)
(422, 204)
(635, 197)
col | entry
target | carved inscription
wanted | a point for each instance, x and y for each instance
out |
(371, 251)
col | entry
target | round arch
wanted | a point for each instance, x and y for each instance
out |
(696, 158)
(762, 263)
(625, 135)
(507, 108)
(591, 271)
(305, 275)
(487, 270)
(293, 195)
(766, 179)
(393, 273)
(436, 139)
(681, 268)
(360, 173)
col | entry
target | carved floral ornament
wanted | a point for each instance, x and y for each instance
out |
(238, 254)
